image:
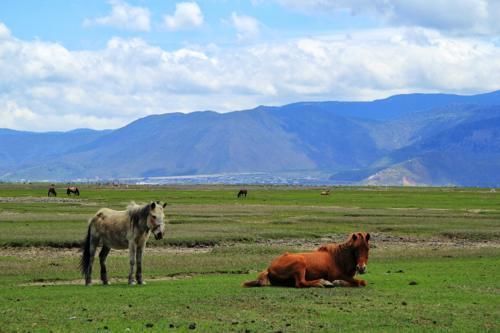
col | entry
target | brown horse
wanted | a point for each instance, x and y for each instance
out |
(242, 193)
(330, 265)
(73, 190)
(52, 191)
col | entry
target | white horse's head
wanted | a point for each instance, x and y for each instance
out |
(156, 219)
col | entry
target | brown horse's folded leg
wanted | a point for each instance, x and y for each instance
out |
(301, 282)
(349, 282)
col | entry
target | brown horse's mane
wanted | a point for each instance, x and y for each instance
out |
(342, 253)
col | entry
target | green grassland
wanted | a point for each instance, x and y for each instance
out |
(434, 263)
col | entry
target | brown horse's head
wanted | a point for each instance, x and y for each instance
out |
(359, 242)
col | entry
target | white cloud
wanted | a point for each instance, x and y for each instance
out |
(187, 15)
(44, 86)
(123, 16)
(15, 116)
(247, 27)
(11, 114)
(466, 17)
(4, 31)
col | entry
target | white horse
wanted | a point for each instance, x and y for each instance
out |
(118, 230)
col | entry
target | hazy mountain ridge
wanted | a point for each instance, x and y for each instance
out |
(431, 139)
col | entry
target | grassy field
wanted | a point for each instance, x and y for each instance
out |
(434, 262)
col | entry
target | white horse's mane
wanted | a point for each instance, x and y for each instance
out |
(133, 207)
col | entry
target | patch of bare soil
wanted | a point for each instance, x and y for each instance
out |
(98, 282)
(384, 241)
(379, 241)
(44, 200)
(54, 253)
(37, 199)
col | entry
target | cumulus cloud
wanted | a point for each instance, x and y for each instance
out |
(44, 86)
(4, 31)
(247, 27)
(123, 16)
(455, 16)
(12, 114)
(15, 116)
(187, 15)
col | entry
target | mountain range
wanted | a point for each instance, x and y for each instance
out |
(413, 139)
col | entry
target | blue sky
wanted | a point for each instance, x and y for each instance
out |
(102, 64)
(70, 22)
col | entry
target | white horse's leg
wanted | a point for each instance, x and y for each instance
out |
(132, 249)
(102, 260)
(138, 273)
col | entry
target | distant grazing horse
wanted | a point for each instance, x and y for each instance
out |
(52, 191)
(72, 190)
(330, 265)
(327, 192)
(122, 229)
(242, 193)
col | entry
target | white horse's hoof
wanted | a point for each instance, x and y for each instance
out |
(338, 283)
(326, 283)
(131, 283)
(142, 283)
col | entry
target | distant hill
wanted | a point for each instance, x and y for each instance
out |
(460, 150)
(415, 139)
(21, 152)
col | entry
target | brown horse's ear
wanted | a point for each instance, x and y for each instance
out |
(367, 236)
(153, 205)
(164, 205)
(354, 237)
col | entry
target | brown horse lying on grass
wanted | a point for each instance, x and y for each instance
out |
(329, 266)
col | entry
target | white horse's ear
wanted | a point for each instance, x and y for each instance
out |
(153, 205)
(164, 205)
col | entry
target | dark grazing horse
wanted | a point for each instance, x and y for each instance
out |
(242, 193)
(330, 265)
(73, 190)
(121, 229)
(52, 191)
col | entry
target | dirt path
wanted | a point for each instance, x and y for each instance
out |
(51, 252)
(38, 199)
(98, 282)
(379, 241)
(384, 241)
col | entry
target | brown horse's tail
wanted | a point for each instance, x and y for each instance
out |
(262, 280)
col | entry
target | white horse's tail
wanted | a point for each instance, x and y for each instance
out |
(85, 260)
